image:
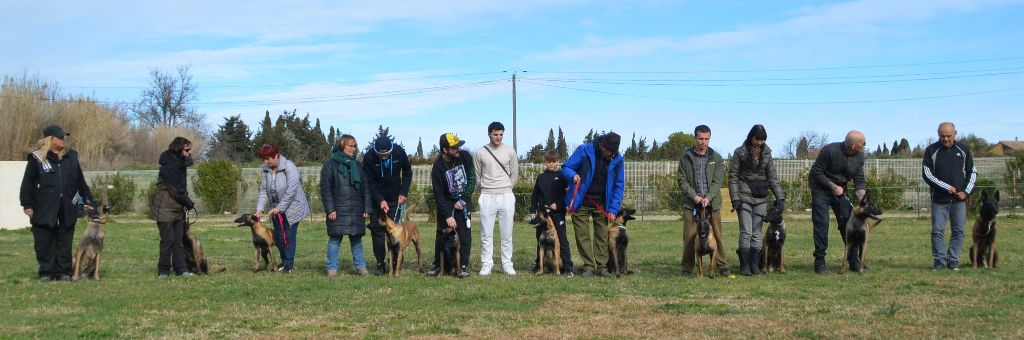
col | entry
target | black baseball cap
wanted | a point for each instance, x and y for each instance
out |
(54, 131)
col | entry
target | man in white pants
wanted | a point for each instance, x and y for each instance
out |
(497, 170)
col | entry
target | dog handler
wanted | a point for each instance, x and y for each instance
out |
(168, 204)
(453, 179)
(281, 186)
(50, 190)
(836, 165)
(389, 173)
(700, 173)
(598, 181)
(346, 195)
(948, 168)
(549, 193)
(752, 176)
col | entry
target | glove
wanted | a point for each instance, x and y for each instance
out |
(780, 204)
(736, 205)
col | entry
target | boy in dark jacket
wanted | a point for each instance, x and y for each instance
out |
(390, 175)
(549, 193)
(453, 180)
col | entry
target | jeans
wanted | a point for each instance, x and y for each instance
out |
(956, 214)
(820, 203)
(751, 217)
(502, 206)
(285, 239)
(334, 245)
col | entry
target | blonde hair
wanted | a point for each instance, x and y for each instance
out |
(46, 143)
(345, 139)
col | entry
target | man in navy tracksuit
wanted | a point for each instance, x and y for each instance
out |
(549, 193)
(948, 168)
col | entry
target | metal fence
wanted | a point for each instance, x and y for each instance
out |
(649, 185)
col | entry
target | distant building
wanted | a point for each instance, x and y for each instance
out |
(1006, 147)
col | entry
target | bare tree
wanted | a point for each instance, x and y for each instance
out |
(815, 141)
(170, 101)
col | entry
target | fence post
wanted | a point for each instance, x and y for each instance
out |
(238, 197)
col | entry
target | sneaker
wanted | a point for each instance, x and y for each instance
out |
(187, 274)
(954, 268)
(605, 274)
(433, 271)
(332, 273)
(162, 276)
(724, 272)
(568, 274)
(363, 272)
(280, 269)
(587, 273)
(285, 270)
(509, 271)
(486, 270)
(380, 270)
(45, 279)
(65, 278)
(464, 272)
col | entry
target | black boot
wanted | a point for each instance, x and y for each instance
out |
(755, 261)
(744, 255)
(819, 266)
(380, 269)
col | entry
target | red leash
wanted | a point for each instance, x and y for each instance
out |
(284, 230)
(601, 209)
(572, 202)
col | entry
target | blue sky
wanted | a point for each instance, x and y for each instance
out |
(893, 69)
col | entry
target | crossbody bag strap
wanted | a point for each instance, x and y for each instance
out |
(499, 162)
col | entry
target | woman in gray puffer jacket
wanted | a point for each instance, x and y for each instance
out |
(752, 176)
(345, 191)
(281, 186)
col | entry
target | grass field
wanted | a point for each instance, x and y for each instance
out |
(900, 297)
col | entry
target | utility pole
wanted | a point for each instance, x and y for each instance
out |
(515, 145)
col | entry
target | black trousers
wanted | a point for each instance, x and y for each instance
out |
(172, 251)
(53, 249)
(820, 205)
(563, 240)
(465, 239)
(378, 234)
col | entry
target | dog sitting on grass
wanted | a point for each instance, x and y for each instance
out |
(772, 259)
(86, 262)
(548, 249)
(983, 250)
(706, 244)
(857, 230)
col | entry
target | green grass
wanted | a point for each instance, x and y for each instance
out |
(899, 297)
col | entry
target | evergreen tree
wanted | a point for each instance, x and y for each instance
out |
(802, 150)
(419, 149)
(550, 146)
(332, 138)
(589, 138)
(434, 153)
(631, 150)
(904, 148)
(232, 141)
(878, 151)
(266, 134)
(655, 153)
(536, 154)
(895, 151)
(885, 151)
(563, 149)
(321, 147)
(641, 149)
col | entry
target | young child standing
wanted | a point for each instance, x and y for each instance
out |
(549, 193)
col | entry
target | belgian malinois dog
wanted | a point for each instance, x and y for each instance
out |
(549, 251)
(983, 251)
(857, 230)
(706, 244)
(399, 237)
(772, 258)
(194, 252)
(451, 252)
(262, 242)
(86, 262)
(618, 242)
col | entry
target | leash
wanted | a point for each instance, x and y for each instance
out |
(572, 202)
(399, 210)
(601, 209)
(284, 230)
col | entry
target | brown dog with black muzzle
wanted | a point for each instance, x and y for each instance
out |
(399, 237)
(618, 242)
(983, 249)
(194, 258)
(706, 244)
(262, 242)
(86, 262)
(858, 228)
(548, 249)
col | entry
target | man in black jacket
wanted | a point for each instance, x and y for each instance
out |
(948, 168)
(453, 180)
(51, 190)
(836, 165)
(390, 173)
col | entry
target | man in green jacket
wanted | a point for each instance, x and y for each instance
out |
(701, 172)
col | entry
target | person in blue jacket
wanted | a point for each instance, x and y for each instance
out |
(598, 180)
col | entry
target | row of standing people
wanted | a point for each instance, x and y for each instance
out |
(589, 186)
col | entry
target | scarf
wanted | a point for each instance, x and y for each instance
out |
(348, 168)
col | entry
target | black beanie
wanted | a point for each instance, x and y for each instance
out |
(610, 142)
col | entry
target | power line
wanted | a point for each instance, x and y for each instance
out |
(782, 103)
(691, 82)
(251, 85)
(891, 75)
(792, 69)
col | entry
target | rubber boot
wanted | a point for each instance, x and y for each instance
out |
(755, 261)
(744, 255)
